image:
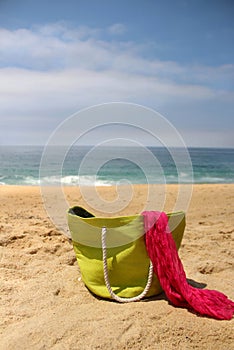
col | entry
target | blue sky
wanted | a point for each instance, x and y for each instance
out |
(57, 57)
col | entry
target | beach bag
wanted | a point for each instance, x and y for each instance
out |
(112, 255)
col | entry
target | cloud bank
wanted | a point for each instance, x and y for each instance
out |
(49, 72)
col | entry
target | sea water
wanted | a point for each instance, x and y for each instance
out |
(84, 165)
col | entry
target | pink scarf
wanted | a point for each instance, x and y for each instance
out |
(162, 251)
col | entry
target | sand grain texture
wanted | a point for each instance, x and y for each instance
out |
(44, 304)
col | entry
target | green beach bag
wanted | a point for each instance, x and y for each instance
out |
(112, 256)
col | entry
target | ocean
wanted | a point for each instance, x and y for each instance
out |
(83, 165)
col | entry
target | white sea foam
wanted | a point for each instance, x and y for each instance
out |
(210, 179)
(21, 166)
(74, 180)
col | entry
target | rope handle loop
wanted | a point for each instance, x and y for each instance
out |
(106, 275)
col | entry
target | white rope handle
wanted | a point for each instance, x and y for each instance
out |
(106, 275)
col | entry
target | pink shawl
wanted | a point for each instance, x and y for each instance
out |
(167, 265)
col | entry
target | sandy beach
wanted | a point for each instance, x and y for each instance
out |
(45, 305)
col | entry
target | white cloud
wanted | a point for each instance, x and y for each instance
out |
(29, 91)
(57, 46)
(51, 71)
(117, 29)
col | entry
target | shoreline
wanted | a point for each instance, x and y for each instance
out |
(121, 185)
(44, 303)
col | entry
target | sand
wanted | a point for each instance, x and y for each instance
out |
(45, 305)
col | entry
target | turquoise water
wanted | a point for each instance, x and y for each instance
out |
(83, 165)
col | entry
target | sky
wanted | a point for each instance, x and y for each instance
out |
(59, 57)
